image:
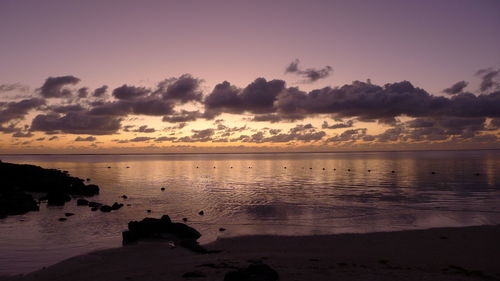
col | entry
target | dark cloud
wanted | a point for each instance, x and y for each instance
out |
(13, 87)
(76, 123)
(83, 92)
(66, 108)
(182, 89)
(140, 139)
(349, 135)
(144, 129)
(310, 74)
(11, 128)
(143, 106)
(54, 87)
(456, 88)
(130, 92)
(258, 97)
(176, 127)
(100, 92)
(347, 124)
(22, 135)
(489, 78)
(17, 110)
(89, 138)
(183, 116)
(162, 139)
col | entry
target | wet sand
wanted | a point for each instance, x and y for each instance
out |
(467, 253)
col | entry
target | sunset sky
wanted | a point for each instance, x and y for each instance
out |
(241, 76)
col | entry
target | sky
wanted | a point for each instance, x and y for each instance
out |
(248, 76)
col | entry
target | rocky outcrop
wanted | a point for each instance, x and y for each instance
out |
(162, 228)
(58, 185)
(16, 202)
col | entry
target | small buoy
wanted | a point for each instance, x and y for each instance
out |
(162, 189)
(284, 167)
(214, 167)
(196, 167)
(369, 171)
(222, 229)
(129, 205)
(348, 170)
(128, 167)
(433, 173)
(231, 167)
(201, 213)
(184, 219)
(88, 179)
(69, 214)
(124, 196)
(324, 169)
(63, 219)
(310, 168)
(149, 211)
(477, 174)
(109, 167)
(334, 169)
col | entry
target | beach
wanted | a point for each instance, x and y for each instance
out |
(465, 253)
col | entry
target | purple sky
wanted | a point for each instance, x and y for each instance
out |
(432, 44)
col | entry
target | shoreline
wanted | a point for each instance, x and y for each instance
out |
(452, 253)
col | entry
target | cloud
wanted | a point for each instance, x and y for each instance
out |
(89, 138)
(310, 75)
(83, 92)
(22, 135)
(53, 138)
(258, 97)
(100, 92)
(54, 87)
(489, 78)
(183, 116)
(144, 129)
(76, 123)
(456, 88)
(17, 110)
(13, 87)
(183, 89)
(347, 124)
(130, 92)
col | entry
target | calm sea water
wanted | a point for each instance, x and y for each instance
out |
(256, 194)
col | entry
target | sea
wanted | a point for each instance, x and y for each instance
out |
(256, 194)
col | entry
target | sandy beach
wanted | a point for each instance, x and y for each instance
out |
(468, 253)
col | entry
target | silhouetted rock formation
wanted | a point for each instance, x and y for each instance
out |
(16, 202)
(162, 228)
(18, 179)
(259, 271)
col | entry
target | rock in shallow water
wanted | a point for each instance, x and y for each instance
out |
(161, 228)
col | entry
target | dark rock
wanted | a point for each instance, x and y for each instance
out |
(82, 202)
(124, 196)
(16, 202)
(201, 213)
(184, 219)
(194, 274)
(58, 186)
(57, 198)
(116, 206)
(88, 179)
(63, 219)
(222, 229)
(69, 214)
(159, 228)
(254, 272)
(105, 208)
(94, 204)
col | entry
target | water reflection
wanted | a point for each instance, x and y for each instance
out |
(255, 194)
